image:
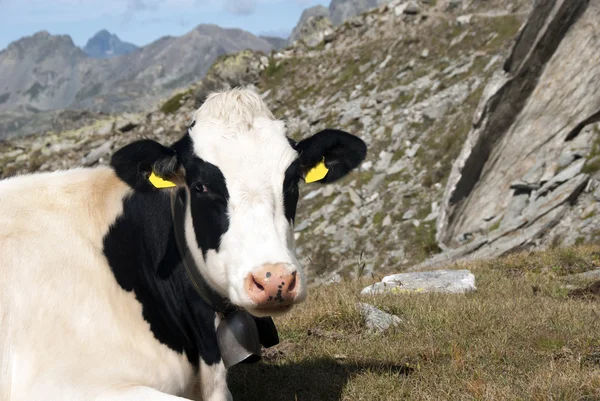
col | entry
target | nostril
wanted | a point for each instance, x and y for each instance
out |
(292, 284)
(257, 284)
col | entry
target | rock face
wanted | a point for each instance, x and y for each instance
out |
(522, 164)
(444, 281)
(313, 26)
(43, 72)
(305, 26)
(104, 45)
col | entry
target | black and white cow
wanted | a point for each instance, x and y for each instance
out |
(94, 301)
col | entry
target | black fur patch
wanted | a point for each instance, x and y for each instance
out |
(290, 190)
(141, 250)
(209, 196)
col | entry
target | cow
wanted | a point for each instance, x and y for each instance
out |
(96, 299)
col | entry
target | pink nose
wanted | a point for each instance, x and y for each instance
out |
(272, 285)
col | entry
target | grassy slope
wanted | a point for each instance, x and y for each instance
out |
(519, 337)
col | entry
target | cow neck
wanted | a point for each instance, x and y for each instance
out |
(210, 296)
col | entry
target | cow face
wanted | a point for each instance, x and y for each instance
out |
(241, 174)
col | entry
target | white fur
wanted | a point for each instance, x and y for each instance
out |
(236, 132)
(69, 332)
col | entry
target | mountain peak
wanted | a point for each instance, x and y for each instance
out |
(105, 44)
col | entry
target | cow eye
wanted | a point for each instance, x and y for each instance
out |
(200, 187)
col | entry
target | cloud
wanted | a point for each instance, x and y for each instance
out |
(240, 7)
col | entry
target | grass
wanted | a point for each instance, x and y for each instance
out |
(174, 103)
(519, 337)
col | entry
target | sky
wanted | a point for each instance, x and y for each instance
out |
(142, 21)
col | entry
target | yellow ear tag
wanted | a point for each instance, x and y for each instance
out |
(317, 173)
(159, 182)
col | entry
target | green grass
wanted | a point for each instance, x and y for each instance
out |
(518, 337)
(174, 103)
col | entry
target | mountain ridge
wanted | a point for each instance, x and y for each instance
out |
(44, 73)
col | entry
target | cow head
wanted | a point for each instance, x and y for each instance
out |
(240, 173)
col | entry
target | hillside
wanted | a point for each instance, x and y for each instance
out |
(412, 82)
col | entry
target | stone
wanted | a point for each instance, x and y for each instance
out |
(412, 151)
(387, 221)
(312, 194)
(385, 159)
(436, 111)
(376, 320)
(464, 19)
(95, 155)
(589, 275)
(302, 226)
(442, 281)
(425, 53)
(398, 129)
(411, 8)
(354, 197)
(409, 214)
(105, 128)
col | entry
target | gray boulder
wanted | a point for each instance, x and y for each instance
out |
(376, 320)
(444, 281)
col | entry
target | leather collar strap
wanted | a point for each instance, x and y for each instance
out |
(210, 296)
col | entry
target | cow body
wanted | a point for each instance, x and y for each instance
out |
(95, 303)
(73, 332)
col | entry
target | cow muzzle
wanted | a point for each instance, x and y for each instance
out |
(273, 286)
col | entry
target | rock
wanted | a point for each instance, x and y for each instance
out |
(443, 281)
(105, 129)
(561, 177)
(409, 214)
(425, 53)
(302, 226)
(589, 275)
(387, 221)
(464, 19)
(384, 161)
(376, 320)
(366, 166)
(95, 155)
(412, 151)
(354, 197)
(312, 194)
(436, 111)
(411, 8)
(505, 143)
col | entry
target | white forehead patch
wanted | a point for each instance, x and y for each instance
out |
(236, 132)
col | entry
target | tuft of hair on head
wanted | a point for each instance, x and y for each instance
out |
(233, 106)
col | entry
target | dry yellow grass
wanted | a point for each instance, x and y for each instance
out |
(519, 337)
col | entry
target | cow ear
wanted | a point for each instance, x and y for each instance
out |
(147, 165)
(329, 155)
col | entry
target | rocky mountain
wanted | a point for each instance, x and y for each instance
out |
(481, 119)
(342, 10)
(104, 44)
(43, 73)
